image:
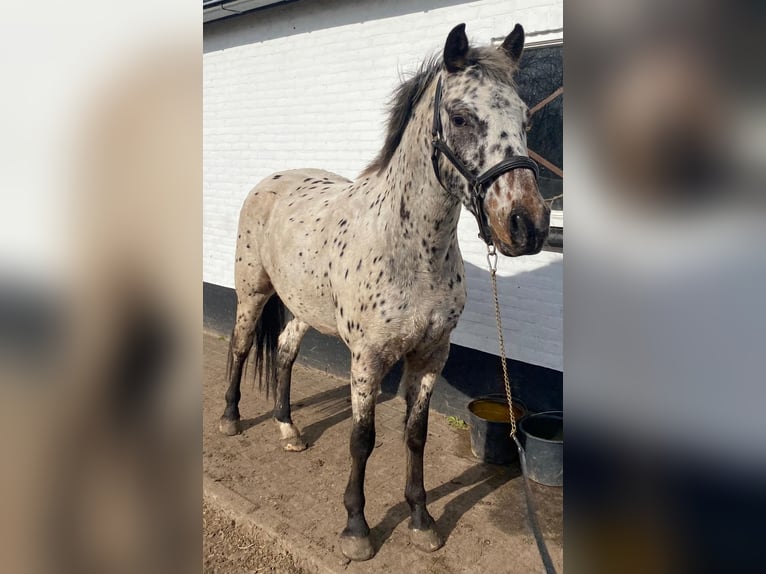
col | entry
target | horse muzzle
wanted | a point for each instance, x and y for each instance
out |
(527, 234)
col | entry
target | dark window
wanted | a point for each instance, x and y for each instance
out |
(540, 74)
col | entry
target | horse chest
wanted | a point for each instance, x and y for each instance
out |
(399, 317)
(442, 310)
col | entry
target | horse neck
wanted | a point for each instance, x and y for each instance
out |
(419, 209)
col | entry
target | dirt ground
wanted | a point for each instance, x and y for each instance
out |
(288, 507)
(230, 547)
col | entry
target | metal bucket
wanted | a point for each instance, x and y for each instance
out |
(543, 438)
(491, 428)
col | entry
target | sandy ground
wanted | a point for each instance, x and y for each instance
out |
(231, 547)
(289, 505)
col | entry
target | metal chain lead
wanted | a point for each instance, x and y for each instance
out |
(492, 261)
(531, 511)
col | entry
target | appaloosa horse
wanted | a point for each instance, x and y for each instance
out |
(376, 261)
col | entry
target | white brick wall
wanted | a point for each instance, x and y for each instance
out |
(305, 85)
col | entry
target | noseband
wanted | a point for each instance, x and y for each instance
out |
(477, 184)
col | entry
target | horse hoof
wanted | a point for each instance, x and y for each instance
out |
(426, 540)
(356, 548)
(228, 427)
(294, 444)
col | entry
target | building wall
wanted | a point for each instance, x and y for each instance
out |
(305, 84)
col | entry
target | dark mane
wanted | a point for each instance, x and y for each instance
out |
(403, 101)
(490, 62)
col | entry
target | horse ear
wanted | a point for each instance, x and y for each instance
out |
(513, 45)
(456, 49)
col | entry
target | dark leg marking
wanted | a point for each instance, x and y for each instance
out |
(420, 376)
(248, 312)
(289, 345)
(355, 538)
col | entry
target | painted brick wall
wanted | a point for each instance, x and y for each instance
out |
(305, 85)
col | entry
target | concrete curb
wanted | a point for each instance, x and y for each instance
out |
(251, 515)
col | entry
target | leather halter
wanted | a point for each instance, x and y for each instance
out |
(477, 184)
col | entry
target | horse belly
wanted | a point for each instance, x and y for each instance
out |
(301, 287)
(298, 275)
(313, 310)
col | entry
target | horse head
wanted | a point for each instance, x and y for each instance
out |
(480, 145)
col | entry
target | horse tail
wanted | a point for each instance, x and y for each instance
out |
(267, 330)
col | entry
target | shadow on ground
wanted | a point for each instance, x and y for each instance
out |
(481, 480)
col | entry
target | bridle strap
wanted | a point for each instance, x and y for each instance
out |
(515, 162)
(477, 185)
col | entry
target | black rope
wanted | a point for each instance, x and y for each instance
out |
(532, 513)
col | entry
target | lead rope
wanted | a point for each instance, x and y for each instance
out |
(531, 510)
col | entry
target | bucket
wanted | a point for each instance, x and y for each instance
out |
(491, 428)
(543, 436)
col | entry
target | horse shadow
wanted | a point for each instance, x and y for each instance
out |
(479, 481)
(245, 424)
(334, 406)
(336, 410)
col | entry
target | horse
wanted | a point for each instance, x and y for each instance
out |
(376, 261)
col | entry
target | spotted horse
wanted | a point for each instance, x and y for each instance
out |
(376, 261)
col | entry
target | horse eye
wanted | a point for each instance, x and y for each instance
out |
(458, 121)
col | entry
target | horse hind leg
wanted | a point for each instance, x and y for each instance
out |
(249, 312)
(287, 351)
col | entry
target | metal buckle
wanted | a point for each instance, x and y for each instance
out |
(492, 258)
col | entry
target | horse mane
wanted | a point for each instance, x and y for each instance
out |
(490, 62)
(400, 107)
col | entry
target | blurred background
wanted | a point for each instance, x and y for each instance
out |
(100, 292)
(100, 297)
(664, 329)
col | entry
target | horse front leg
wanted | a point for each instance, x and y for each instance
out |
(420, 375)
(355, 538)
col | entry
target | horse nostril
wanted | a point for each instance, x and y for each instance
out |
(525, 235)
(520, 229)
(516, 223)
